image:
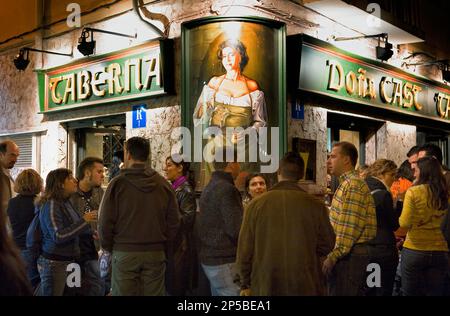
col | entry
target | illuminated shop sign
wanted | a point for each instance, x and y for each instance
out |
(125, 75)
(327, 70)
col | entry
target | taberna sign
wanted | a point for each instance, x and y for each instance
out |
(124, 75)
(327, 70)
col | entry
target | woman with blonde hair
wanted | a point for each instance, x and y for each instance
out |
(21, 212)
(382, 249)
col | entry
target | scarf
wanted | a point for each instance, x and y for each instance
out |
(179, 182)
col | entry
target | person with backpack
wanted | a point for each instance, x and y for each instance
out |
(61, 225)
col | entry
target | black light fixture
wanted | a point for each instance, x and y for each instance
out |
(87, 48)
(382, 53)
(21, 60)
(386, 52)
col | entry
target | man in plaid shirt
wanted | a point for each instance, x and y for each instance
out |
(353, 217)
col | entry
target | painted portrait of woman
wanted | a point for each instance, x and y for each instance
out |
(234, 86)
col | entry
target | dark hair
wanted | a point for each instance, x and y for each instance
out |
(348, 149)
(54, 186)
(413, 151)
(224, 152)
(87, 164)
(249, 178)
(291, 166)
(237, 45)
(4, 146)
(138, 148)
(432, 150)
(405, 171)
(431, 174)
(28, 182)
(186, 167)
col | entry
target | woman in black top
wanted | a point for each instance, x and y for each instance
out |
(21, 212)
(184, 252)
(382, 249)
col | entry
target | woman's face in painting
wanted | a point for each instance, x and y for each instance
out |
(230, 59)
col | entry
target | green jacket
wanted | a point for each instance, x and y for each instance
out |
(284, 233)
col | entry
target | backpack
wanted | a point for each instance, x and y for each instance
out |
(34, 238)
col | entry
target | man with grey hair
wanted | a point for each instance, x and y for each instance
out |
(9, 152)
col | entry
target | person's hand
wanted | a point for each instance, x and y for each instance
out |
(91, 216)
(245, 292)
(95, 235)
(327, 267)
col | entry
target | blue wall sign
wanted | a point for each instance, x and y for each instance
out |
(139, 116)
(298, 111)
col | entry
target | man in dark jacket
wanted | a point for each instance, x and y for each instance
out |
(138, 216)
(284, 234)
(86, 201)
(219, 222)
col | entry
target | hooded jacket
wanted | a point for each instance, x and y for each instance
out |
(139, 211)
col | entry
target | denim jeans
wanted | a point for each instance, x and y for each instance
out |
(221, 279)
(53, 276)
(423, 272)
(31, 267)
(91, 282)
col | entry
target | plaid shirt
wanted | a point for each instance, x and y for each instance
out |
(352, 215)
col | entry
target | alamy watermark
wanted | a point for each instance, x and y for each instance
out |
(374, 19)
(74, 277)
(216, 144)
(74, 18)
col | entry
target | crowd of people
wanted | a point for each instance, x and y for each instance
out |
(147, 234)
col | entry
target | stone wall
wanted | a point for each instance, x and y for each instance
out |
(312, 127)
(392, 141)
(18, 96)
(160, 124)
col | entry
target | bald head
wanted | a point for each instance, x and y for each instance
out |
(9, 152)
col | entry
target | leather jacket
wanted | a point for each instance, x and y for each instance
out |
(187, 204)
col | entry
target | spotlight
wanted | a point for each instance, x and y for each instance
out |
(383, 53)
(87, 48)
(21, 61)
(386, 52)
